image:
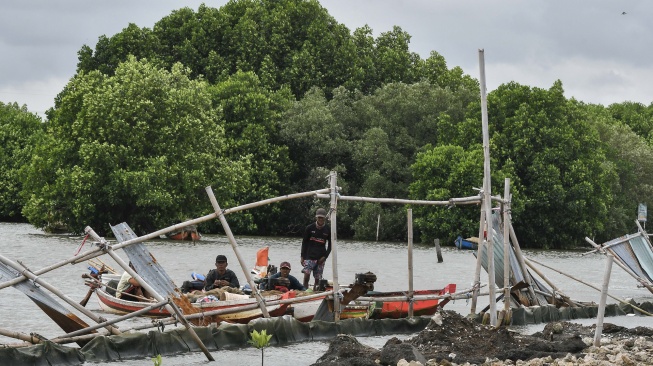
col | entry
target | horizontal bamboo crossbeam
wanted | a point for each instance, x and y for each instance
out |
(451, 202)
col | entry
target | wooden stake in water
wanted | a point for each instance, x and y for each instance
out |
(438, 250)
(378, 226)
(604, 295)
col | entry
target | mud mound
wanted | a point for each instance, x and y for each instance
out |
(452, 338)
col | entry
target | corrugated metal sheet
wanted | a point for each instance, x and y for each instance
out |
(644, 254)
(145, 263)
(635, 252)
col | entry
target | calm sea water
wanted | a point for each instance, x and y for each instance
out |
(389, 261)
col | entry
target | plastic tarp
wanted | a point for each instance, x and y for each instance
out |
(284, 330)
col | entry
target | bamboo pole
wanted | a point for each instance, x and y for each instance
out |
(118, 319)
(604, 293)
(506, 248)
(410, 263)
(479, 255)
(95, 252)
(642, 281)
(487, 189)
(548, 281)
(522, 263)
(234, 245)
(473, 200)
(333, 196)
(592, 286)
(25, 272)
(378, 226)
(19, 335)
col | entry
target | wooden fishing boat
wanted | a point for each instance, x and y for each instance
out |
(396, 309)
(188, 233)
(111, 304)
(469, 243)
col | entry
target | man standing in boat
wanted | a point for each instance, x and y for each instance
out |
(220, 276)
(316, 247)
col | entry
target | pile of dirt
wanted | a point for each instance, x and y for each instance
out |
(452, 338)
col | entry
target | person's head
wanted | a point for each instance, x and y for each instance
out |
(320, 217)
(221, 262)
(284, 268)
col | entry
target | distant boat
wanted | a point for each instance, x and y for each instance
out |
(469, 243)
(189, 233)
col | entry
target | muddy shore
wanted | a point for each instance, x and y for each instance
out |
(451, 339)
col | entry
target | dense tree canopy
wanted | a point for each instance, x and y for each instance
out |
(263, 98)
(138, 146)
(19, 133)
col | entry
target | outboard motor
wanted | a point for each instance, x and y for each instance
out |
(322, 284)
(365, 279)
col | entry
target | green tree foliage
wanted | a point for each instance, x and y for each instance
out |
(138, 147)
(370, 141)
(252, 115)
(449, 171)
(630, 158)
(559, 160)
(635, 115)
(20, 131)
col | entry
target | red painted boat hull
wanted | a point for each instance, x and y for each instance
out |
(305, 311)
(111, 304)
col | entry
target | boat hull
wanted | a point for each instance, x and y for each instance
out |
(305, 311)
(185, 236)
(113, 305)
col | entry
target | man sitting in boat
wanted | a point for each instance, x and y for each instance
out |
(220, 276)
(284, 273)
(129, 289)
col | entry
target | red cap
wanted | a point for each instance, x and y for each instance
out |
(285, 264)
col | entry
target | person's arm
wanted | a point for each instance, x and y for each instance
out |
(295, 284)
(328, 250)
(233, 281)
(209, 280)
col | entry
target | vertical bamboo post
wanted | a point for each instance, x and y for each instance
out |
(438, 250)
(410, 263)
(487, 190)
(479, 256)
(333, 179)
(506, 248)
(378, 226)
(604, 295)
(234, 245)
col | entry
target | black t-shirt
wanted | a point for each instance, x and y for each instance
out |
(316, 242)
(228, 275)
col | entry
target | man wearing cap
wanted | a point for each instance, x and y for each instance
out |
(220, 276)
(316, 247)
(284, 272)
